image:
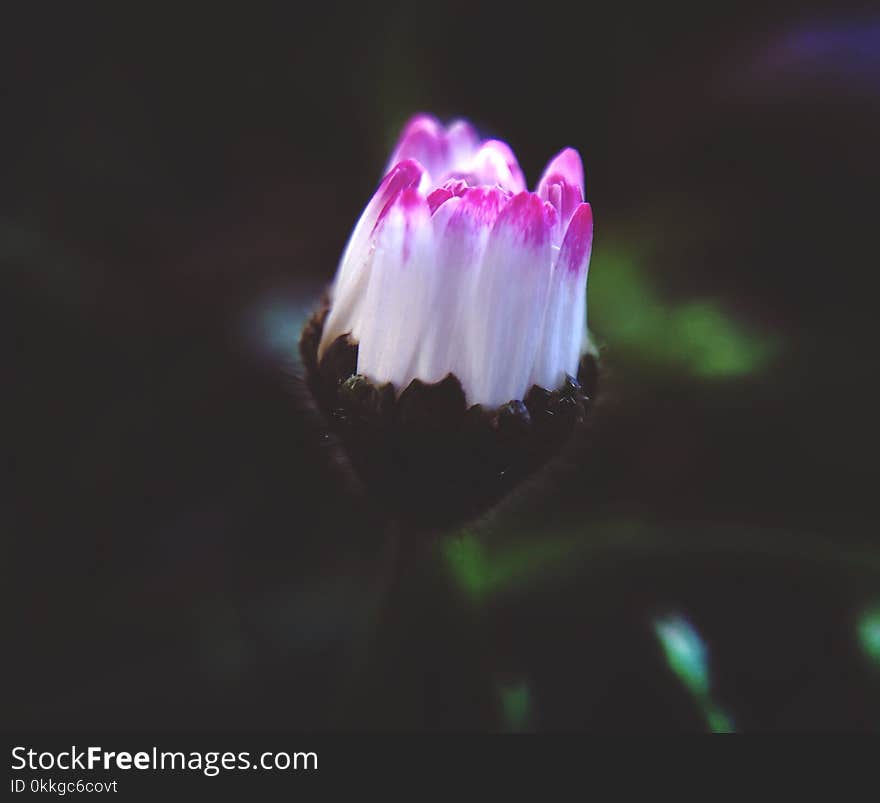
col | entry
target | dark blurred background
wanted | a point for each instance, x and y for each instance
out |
(180, 551)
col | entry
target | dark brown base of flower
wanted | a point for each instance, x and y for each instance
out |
(425, 454)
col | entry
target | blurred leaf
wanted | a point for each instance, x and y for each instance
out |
(687, 657)
(696, 337)
(480, 574)
(869, 632)
(526, 558)
(516, 705)
(685, 653)
(718, 721)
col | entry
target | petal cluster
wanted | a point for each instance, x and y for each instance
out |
(455, 267)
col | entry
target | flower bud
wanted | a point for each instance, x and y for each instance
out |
(449, 353)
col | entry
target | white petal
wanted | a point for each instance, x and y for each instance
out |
(461, 227)
(566, 165)
(422, 139)
(353, 273)
(565, 317)
(463, 143)
(505, 318)
(397, 302)
(562, 185)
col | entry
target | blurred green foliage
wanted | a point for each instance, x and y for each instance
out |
(496, 572)
(480, 574)
(687, 657)
(696, 337)
(685, 653)
(718, 721)
(516, 705)
(482, 568)
(869, 632)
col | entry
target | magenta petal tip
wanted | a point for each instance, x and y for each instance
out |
(526, 217)
(405, 173)
(566, 165)
(482, 205)
(578, 242)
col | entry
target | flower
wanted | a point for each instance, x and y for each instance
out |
(456, 268)
(446, 361)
